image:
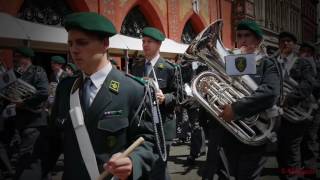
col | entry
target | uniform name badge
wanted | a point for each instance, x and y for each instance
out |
(240, 64)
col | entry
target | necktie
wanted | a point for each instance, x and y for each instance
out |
(86, 94)
(147, 68)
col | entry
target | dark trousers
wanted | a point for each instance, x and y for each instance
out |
(30, 152)
(159, 169)
(4, 159)
(183, 128)
(309, 147)
(289, 149)
(198, 144)
(243, 162)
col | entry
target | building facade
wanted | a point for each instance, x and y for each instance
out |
(180, 20)
(318, 29)
(295, 16)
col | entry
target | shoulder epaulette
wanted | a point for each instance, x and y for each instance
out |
(171, 63)
(138, 79)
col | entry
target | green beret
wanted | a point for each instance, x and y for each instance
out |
(288, 35)
(153, 33)
(90, 21)
(72, 66)
(308, 45)
(27, 52)
(251, 26)
(58, 59)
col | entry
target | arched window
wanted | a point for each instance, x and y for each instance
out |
(133, 23)
(188, 33)
(51, 12)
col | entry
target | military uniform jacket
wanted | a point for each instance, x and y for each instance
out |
(268, 80)
(53, 78)
(32, 113)
(109, 123)
(166, 78)
(303, 74)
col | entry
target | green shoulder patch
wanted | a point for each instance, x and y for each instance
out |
(138, 79)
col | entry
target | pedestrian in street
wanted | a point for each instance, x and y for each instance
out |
(291, 132)
(57, 65)
(159, 69)
(31, 117)
(227, 156)
(71, 69)
(93, 137)
(309, 145)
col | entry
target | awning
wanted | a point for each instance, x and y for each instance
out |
(15, 32)
(169, 47)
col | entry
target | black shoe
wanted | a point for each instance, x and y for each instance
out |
(202, 154)
(191, 160)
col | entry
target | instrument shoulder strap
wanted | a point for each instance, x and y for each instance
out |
(274, 58)
(83, 139)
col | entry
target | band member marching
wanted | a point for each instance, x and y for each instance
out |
(299, 73)
(93, 136)
(162, 72)
(228, 157)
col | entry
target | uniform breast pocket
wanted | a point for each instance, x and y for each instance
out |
(111, 135)
(113, 124)
(162, 83)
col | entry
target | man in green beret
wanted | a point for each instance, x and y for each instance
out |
(290, 133)
(227, 155)
(154, 66)
(57, 64)
(307, 51)
(109, 102)
(31, 118)
(71, 69)
(309, 144)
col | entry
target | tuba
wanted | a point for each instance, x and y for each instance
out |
(215, 88)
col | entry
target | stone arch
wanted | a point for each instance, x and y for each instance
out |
(78, 5)
(150, 13)
(50, 12)
(134, 22)
(197, 22)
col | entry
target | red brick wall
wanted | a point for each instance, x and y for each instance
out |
(156, 12)
(169, 16)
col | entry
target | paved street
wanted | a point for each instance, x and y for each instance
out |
(179, 171)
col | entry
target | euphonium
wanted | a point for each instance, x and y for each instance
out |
(215, 88)
(14, 89)
(303, 110)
